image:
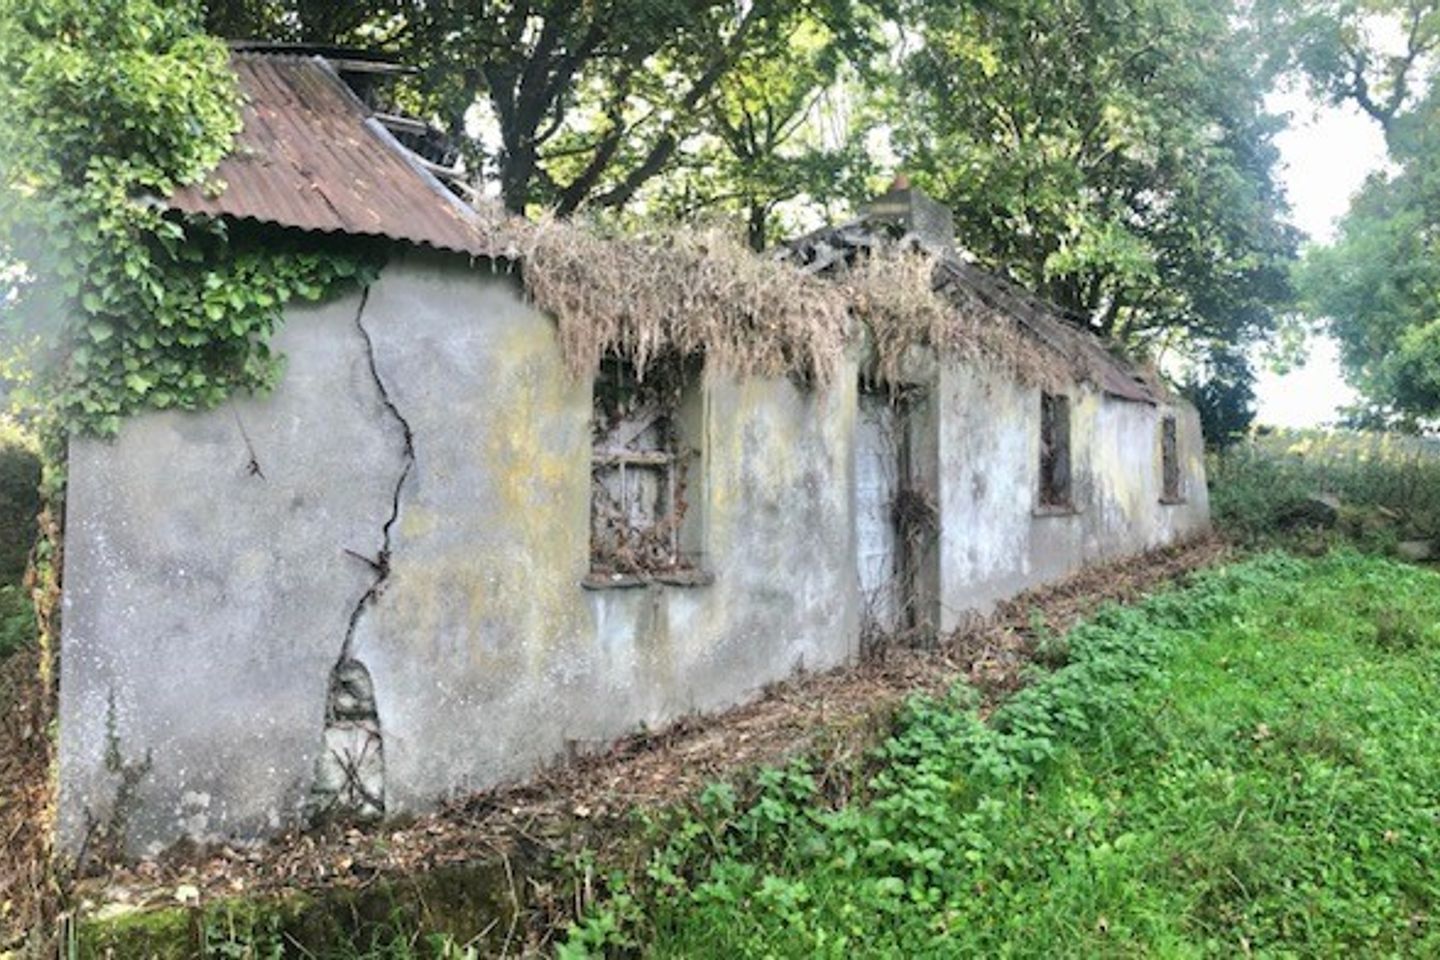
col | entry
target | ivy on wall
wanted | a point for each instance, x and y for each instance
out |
(109, 304)
(112, 304)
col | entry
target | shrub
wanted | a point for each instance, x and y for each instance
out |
(1388, 487)
(19, 498)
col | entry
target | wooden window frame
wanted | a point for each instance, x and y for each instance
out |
(619, 448)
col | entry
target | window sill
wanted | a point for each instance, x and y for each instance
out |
(1056, 510)
(628, 581)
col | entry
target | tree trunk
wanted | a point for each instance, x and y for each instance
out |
(756, 223)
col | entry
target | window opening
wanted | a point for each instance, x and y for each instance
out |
(1169, 461)
(638, 470)
(1055, 481)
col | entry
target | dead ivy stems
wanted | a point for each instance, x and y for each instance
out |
(701, 292)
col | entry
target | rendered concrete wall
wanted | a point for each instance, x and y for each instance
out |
(207, 602)
(411, 507)
(995, 541)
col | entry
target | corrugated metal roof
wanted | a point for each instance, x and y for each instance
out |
(972, 286)
(310, 156)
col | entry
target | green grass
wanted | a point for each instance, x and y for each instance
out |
(1247, 765)
(17, 620)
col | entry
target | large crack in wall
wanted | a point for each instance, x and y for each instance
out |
(350, 771)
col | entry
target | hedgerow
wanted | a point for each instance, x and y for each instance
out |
(1387, 486)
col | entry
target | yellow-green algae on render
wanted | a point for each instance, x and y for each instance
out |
(422, 512)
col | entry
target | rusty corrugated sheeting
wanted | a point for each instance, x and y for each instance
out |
(310, 157)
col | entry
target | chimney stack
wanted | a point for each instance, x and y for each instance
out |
(912, 211)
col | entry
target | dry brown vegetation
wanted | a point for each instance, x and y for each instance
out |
(688, 293)
(699, 291)
(30, 889)
(894, 292)
(27, 891)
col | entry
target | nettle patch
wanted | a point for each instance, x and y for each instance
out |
(1246, 765)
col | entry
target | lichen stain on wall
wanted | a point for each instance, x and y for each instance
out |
(1121, 470)
(417, 522)
(774, 448)
(538, 463)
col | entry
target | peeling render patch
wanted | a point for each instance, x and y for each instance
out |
(350, 771)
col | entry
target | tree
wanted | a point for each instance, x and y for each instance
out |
(1376, 287)
(1222, 388)
(589, 100)
(788, 122)
(1112, 154)
(1365, 52)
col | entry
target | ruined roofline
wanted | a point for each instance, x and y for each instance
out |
(972, 290)
(312, 156)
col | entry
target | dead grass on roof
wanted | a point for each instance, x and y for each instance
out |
(893, 290)
(699, 291)
(695, 291)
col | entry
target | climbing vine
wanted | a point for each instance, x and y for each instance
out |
(114, 304)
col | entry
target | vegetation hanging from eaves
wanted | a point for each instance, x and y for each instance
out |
(893, 290)
(700, 291)
(686, 292)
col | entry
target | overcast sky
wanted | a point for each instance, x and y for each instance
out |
(1327, 153)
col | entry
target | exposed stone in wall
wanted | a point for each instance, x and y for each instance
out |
(210, 601)
(350, 772)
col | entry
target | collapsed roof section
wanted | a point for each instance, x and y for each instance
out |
(907, 217)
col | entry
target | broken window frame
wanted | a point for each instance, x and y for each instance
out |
(1171, 490)
(636, 427)
(1056, 488)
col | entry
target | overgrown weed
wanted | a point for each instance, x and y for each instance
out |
(1246, 765)
(1263, 491)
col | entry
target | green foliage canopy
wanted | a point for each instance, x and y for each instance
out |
(788, 122)
(1376, 287)
(578, 103)
(1114, 155)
